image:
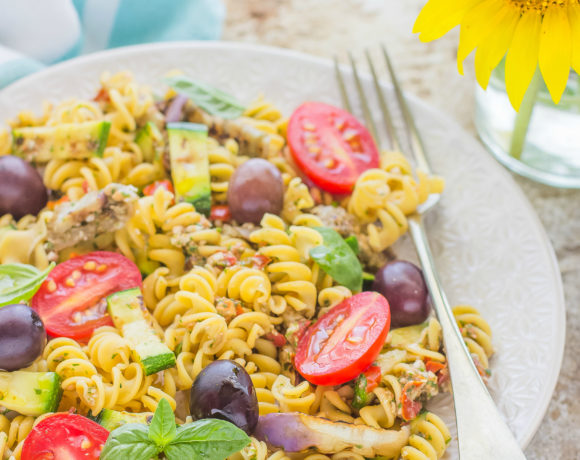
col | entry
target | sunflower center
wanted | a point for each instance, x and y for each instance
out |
(541, 5)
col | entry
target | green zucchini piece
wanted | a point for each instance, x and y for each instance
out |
(134, 321)
(70, 141)
(30, 393)
(150, 141)
(113, 419)
(190, 164)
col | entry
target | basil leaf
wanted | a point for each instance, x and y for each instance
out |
(210, 99)
(130, 441)
(353, 243)
(338, 259)
(162, 429)
(19, 282)
(207, 438)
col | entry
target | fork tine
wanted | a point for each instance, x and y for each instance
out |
(393, 136)
(342, 87)
(416, 143)
(366, 111)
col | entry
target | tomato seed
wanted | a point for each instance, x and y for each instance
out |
(70, 282)
(354, 340)
(76, 275)
(51, 286)
(101, 268)
(308, 126)
(90, 265)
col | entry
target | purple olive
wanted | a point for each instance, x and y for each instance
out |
(402, 283)
(22, 336)
(255, 189)
(22, 191)
(225, 391)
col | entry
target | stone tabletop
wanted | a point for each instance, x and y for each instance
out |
(328, 27)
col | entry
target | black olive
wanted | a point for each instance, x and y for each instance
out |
(22, 336)
(255, 189)
(402, 283)
(22, 191)
(225, 391)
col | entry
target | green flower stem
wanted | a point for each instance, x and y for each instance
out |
(524, 116)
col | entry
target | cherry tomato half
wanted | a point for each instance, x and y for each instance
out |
(63, 436)
(71, 301)
(220, 212)
(151, 188)
(330, 146)
(373, 376)
(345, 340)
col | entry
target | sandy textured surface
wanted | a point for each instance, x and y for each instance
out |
(328, 27)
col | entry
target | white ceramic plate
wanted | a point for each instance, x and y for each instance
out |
(489, 245)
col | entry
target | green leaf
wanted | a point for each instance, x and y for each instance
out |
(337, 258)
(361, 397)
(130, 441)
(207, 438)
(353, 243)
(162, 429)
(210, 99)
(19, 282)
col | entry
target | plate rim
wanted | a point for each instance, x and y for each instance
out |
(543, 405)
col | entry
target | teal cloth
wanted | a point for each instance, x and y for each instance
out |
(122, 23)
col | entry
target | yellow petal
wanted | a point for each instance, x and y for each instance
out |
(477, 25)
(493, 49)
(440, 16)
(574, 17)
(522, 57)
(556, 51)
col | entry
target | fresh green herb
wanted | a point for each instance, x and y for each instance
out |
(208, 438)
(353, 243)
(130, 441)
(163, 429)
(337, 258)
(210, 99)
(361, 397)
(19, 282)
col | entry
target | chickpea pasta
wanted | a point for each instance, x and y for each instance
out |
(252, 292)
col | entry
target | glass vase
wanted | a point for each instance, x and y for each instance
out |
(542, 140)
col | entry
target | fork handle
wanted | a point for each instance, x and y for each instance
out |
(482, 433)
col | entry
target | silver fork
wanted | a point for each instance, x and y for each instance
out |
(482, 433)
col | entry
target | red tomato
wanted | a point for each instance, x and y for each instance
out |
(152, 188)
(259, 261)
(276, 338)
(330, 146)
(345, 340)
(220, 212)
(52, 204)
(434, 366)
(71, 301)
(373, 376)
(65, 436)
(409, 407)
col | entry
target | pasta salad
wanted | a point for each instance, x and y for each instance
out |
(186, 276)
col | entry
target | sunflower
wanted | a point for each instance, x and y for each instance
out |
(529, 31)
